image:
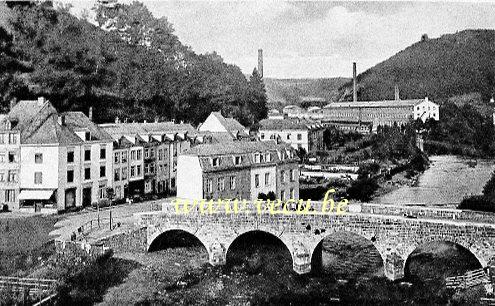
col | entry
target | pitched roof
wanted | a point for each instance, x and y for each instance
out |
(288, 124)
(231, 125)
(386, 103)
(117, 130)
(238, 147)
(77, 121)
(23, 112)
(50, 131)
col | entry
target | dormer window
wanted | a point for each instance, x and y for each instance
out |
(215, 161)
(267, 157)
(87, 136)
(237, 160)
(257, 158)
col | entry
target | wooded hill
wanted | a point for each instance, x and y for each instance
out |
(130, 64)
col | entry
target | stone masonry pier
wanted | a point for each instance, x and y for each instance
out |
(395, 231)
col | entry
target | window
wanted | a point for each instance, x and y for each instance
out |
(232, 182)
(12, 157)
(124, 173)
(282, 176)
(267, 179)
(299, 137)
(146, 169)
(139, 154)
(38, 178)
(70, 157)
(117, 191)
(257, 180)
(152, 168)
(237, 160)
(38, 158)
(133, 171)
(10, 195)
(70, 176)
(87, 154)
(102, 192)
(292, 175)
(103, 153)
(288, 136)
(172, 183)
(160, 154)
(12, 176)
(215, 161)
(138, 170)
(116, 175)
(2, 138)
(209, 185)
(133, 155)
(87, 136)
(87, 173)
(116, 158)
(262, 136)
(282, 195)
(146, 153)
(152, 153)
(2, 158)
(12, 138)
(124, 157)
(292, 194)
(221, 183)
(258, 158)
(103, 171)
(2, 176)
(267, 157)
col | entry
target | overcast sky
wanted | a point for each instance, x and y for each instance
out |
(312, 39)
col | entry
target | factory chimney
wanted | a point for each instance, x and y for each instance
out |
(354, 82)
(260, 62)
(397, 96)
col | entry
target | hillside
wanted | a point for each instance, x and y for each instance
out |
(295, 91)
(452, 65)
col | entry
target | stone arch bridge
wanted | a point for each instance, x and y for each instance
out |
(395, 231)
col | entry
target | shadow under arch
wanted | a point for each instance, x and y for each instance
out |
(175, 238)
(348, 254)
(256, 247)
(440, 258)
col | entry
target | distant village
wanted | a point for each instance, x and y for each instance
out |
(52, 162)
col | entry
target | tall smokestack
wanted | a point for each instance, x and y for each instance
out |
(397, 96)
(354, 82)
(260, 62)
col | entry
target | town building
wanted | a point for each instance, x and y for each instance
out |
(241, 170)
(55, 161)
(380, 113)
(153, 153)
(299, 133)
(224, 129)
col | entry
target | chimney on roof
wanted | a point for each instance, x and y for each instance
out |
(354, 82)
(117, 120)
(41, 100)
(156, 120)
(397, 96)
(260, 62)
(61, 120)
(13, 102)
(144, 121)
(90, 113)
(182, 122)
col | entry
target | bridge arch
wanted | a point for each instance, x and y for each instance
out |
(453, 240)
(358, 236)
(159, 233)
(263, 231)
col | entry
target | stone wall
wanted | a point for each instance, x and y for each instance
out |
(131, 241)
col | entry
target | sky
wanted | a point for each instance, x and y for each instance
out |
(312, 39)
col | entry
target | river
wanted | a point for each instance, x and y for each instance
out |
(448, 180)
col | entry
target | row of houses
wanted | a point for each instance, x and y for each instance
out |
(54, 161)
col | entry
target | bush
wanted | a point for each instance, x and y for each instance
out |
(362, 189)
(478, 203)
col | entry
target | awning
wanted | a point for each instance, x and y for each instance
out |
(35, 194)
